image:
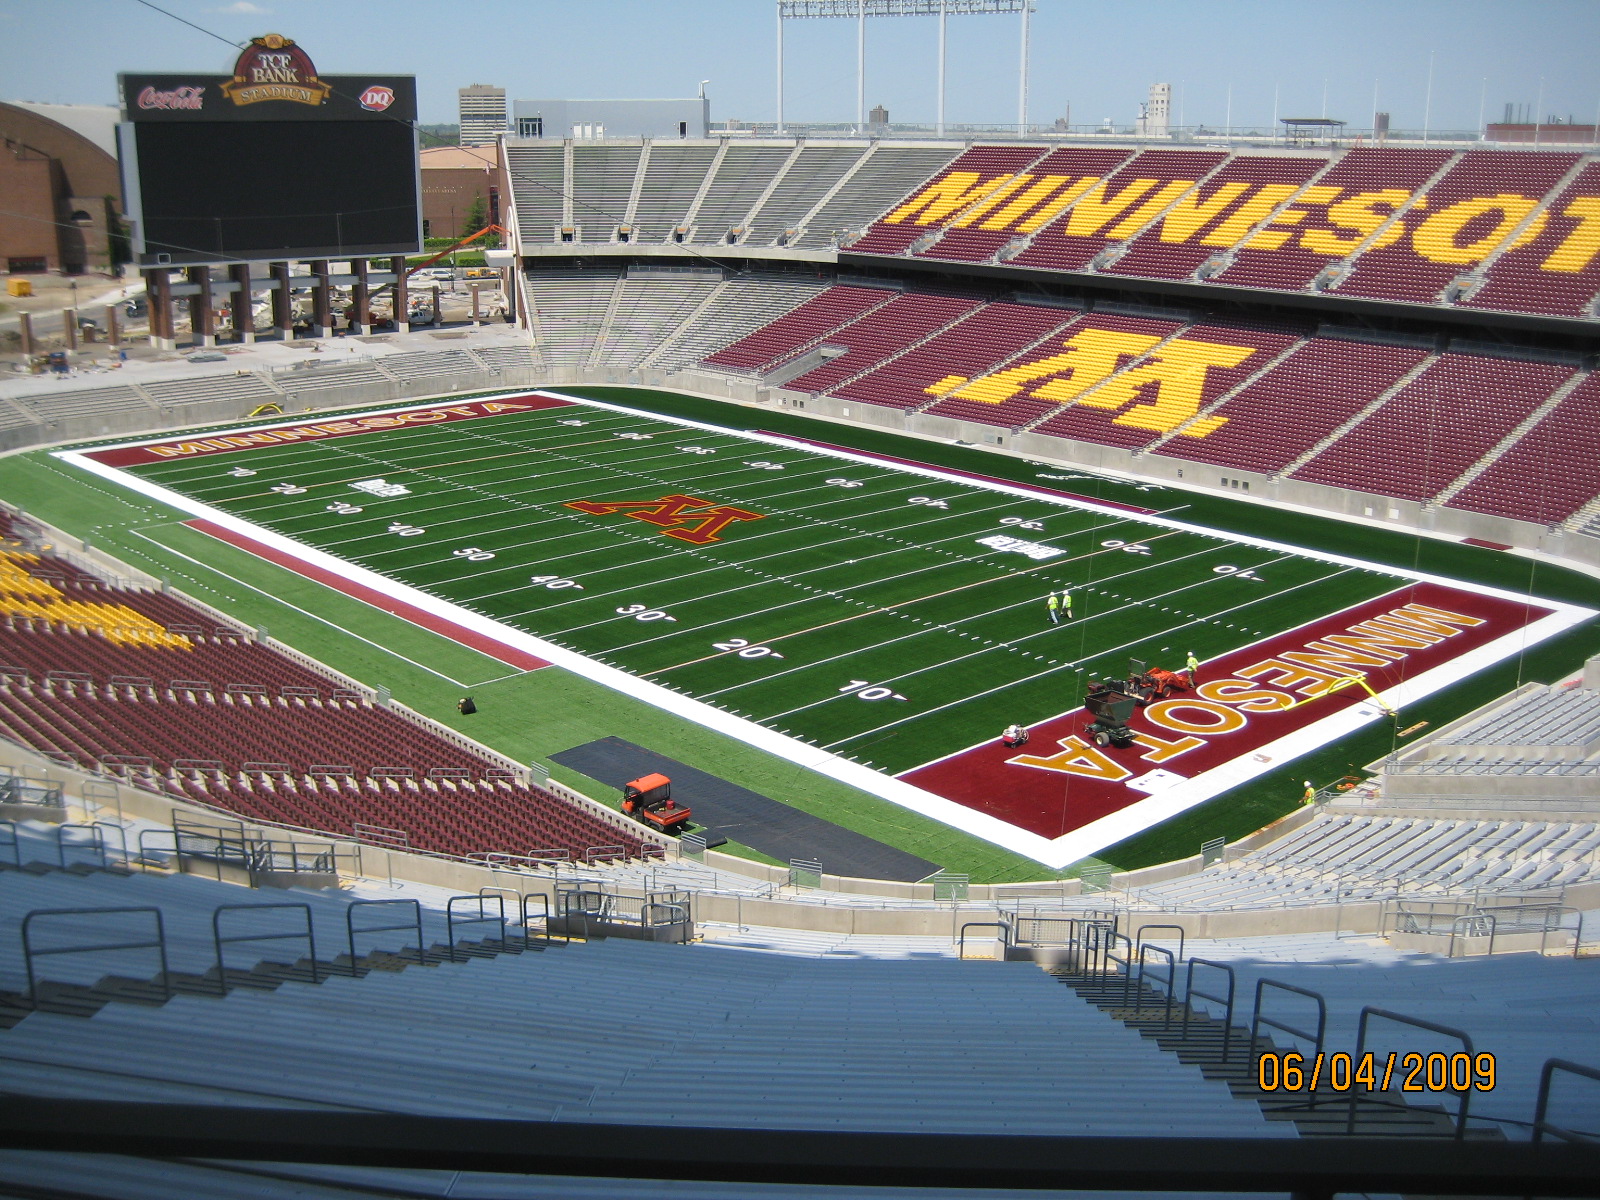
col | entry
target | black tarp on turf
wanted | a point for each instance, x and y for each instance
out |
(758, 821)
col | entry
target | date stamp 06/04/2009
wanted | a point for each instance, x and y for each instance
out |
(1412, 1072)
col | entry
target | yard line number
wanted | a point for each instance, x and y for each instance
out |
(643, 612)
(865, 689)
(745, 650)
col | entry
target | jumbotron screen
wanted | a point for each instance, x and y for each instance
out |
(215, 193)
(272, 162)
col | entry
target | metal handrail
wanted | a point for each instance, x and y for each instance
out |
(516, 897)
(219, 941)
(1542, 1126)
(544, 915)
(144, 851)
(29, 952)
(1257, 1020)
(451, 920)
(350, 922)
(1469, 919)
(10, 828)
(961, 939)
(1416, 1023)
(122, 837)
(1113, 959)
(1190, 992)
(96, 842)
(1138, 936)
(1172, 979)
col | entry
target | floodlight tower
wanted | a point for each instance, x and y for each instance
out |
(860, 10)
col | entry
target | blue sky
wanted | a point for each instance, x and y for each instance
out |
(1098, 57)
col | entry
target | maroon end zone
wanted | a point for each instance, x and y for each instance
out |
(303, 431)
(1246, 700)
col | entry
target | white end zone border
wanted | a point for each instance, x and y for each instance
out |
(1057, 853)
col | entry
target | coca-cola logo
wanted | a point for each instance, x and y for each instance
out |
(376, 99)
(183, 97)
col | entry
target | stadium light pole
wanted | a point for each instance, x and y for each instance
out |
(861, 66)
(1022, 75)
(1427, 111)
(860, 10)
(1538, 112)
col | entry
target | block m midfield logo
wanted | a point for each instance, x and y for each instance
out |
(687, 518)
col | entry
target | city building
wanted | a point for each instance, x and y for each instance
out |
(689, 117)
(58, 173)
(481, 110)
(456, 182)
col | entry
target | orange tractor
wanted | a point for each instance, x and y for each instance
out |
(649, 801)
(1157, 684)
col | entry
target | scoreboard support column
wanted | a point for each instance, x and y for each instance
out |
(402, 298)
(244, 304)
(282, 302)
(158, 292)
(321, 302)
(360, 301)
(202, 315)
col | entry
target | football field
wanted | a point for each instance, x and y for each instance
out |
(869, 618)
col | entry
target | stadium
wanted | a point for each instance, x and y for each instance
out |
(872, 662)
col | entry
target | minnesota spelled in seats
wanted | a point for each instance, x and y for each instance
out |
(1302, 239)
(1555, 268)
(980, 232)
(1117, 207)
(1215, 215)
(1462, 218)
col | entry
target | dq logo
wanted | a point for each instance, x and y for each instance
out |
(1170, 382)
(687, 518)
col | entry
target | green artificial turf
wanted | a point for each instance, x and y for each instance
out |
(915, 603)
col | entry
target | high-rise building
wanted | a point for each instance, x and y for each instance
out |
(1155, 115)
(481, 110)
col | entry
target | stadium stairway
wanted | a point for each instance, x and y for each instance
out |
(1227, 1053)
(190, 906)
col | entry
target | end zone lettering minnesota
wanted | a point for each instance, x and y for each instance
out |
(1252, 698)
(269, 435)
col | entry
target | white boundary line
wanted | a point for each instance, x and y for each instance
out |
(1056, 853)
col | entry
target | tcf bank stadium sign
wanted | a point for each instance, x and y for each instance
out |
(272, 67)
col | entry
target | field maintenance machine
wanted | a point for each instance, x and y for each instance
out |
(649, 801)
(1110, 704)
(1155, 683)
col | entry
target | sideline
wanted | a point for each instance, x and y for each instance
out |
(215, 570)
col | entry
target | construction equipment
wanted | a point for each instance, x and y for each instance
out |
(1110, 704)
(648, 800)
(1156, 684)
(450, 249)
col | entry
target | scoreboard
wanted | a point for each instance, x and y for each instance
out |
(271, 162)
